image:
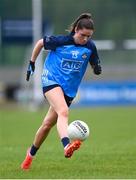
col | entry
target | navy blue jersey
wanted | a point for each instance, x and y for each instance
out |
(66, 62)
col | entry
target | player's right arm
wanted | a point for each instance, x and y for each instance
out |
(37, 49)
(49, 43)
(52, 42)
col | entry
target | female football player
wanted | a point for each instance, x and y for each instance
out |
(63, 70)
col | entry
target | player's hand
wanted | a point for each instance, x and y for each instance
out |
(97, 69)
(30, 70)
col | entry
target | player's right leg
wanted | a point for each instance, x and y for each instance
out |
(48, 122)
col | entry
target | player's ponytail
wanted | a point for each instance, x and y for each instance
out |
(83, 21)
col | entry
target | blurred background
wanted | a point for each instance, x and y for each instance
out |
(109, 152)
(22, 23)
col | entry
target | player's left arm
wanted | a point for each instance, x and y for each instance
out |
(95, 61)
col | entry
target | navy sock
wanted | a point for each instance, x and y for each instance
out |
(65, 141)
(33, 150)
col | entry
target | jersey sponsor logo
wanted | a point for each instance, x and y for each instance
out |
(71, 65)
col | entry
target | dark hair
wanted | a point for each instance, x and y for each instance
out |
(83, 21)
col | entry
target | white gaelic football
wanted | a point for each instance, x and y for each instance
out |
(78, 130)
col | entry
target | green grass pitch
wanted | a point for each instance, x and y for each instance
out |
(109, 152)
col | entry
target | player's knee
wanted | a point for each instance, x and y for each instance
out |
(64, 111)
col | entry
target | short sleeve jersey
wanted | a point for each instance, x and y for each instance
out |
(66, 62)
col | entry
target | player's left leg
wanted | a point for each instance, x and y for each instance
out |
(60, 103)
(71, 147)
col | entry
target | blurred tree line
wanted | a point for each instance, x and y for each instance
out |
(114, 19)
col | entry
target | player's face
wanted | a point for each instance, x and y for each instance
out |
(81, 36)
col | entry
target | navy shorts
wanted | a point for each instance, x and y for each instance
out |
(67, 98)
